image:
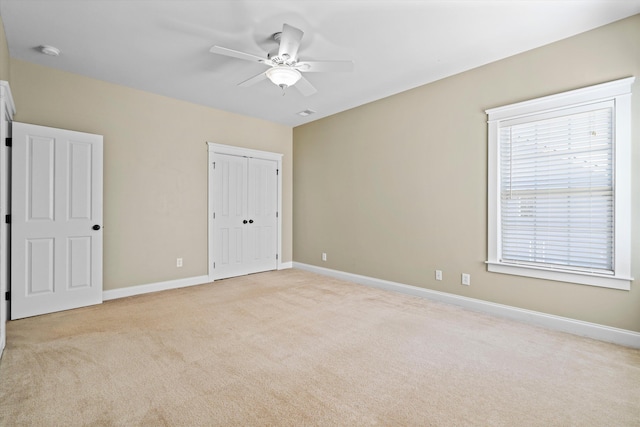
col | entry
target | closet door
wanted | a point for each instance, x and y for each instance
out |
(230, 201)
(244, 226)
(261, 233)
(245, 215)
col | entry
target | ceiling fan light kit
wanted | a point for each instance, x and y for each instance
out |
(285, 69)
(283, 76)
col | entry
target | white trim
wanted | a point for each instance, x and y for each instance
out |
(153, 287)
(163, 286)
(5, 92)
(576, 327)
(7, 111)
(285, 265)
(582, 278)
(588, 94)
(214, 148)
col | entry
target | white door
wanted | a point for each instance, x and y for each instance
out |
(245, 223)
(261, 233)
(230, 219)
(56, 220)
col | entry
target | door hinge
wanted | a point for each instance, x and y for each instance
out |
(276, 256)
(214, 215)
(276, 214)
(277, 171)
(214, 165)
(8, 142)
(214, 265)
(7, 219)
(7, 296)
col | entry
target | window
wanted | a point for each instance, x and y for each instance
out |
(560, 187)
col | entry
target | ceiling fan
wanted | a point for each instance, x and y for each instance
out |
(284, 67)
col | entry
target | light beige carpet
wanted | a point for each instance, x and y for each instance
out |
(292, 348)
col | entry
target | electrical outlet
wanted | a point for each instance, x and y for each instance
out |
(324, 256)
(438, 274)
(178, 262)
(466, 279)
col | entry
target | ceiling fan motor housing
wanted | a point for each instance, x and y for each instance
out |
(284, 60)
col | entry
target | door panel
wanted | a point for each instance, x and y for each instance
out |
(40, 261)
(80, 182)
(40, 178)
(79, 262)
(56, 259)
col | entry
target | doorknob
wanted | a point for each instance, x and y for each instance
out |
(244, 222)
(250, 221)
(96, 227)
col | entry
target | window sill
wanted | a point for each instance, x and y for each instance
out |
(591, 279)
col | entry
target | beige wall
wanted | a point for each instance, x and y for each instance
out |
(398, 188)
(155, 167)
(4, 54)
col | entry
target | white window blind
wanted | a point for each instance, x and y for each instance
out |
(557, 189)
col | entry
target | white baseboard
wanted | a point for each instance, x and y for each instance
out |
(285, 265)
(163, 286)
(577, 327)
(153, 287)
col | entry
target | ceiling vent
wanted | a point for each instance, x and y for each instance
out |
(306, 113)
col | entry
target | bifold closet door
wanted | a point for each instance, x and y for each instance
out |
(245, 215)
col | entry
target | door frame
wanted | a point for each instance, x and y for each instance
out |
(215, 148)
(7, 110)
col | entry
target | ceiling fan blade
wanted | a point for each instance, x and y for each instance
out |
(324, 66)
(289, 42)
(253, 80)
(236, 54)
(305, 87)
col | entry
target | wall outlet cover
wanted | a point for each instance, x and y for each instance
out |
(466, 279)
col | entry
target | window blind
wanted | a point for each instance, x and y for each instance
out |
(557, 190)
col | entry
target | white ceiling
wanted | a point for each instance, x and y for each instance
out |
(163, 46)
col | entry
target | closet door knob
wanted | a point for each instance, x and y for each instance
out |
(244, 222)
(96, 227)
(250, 221)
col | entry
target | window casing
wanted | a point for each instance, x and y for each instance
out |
(560, 187)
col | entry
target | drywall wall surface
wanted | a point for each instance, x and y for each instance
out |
(397, 188)
(155, 167)
(4, 54)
